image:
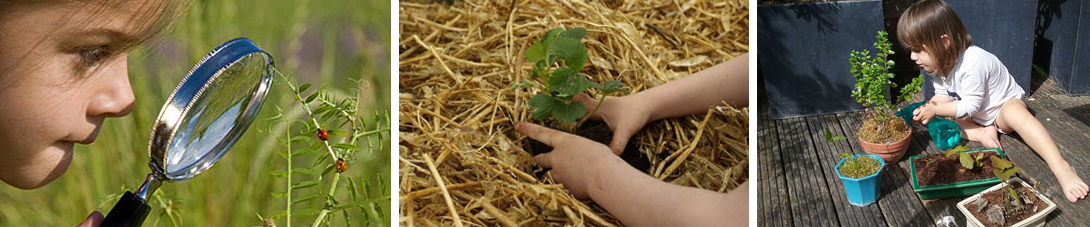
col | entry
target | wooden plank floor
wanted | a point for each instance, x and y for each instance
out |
(797, 185)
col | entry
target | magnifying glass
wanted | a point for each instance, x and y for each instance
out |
(207, 113)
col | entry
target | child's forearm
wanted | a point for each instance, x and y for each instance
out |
(640, 200)
(945, 109)
(727, 81)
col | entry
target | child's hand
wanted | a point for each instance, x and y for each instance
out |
(93, 220)
(573, 159)
(624, 117)
(924, 113)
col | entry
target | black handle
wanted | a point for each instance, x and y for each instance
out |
(129, 211)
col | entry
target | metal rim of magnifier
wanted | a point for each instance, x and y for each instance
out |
(189, 91)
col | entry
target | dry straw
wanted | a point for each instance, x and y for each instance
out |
(461, 162)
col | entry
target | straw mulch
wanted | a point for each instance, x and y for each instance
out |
(462, 164)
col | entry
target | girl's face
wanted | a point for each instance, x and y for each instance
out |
(923, 60)
(62, 72)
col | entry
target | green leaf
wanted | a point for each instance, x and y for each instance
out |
(571, 50)
(614, 87)
(311, 97)
(305, 184)
(570, 112)
(543, 105)
(304, 87)
(305, 198)
(566, 83)
(966, 161)
(279, 173)
(956, 150)
(1006, 174)
(345, 146)
(574, 33)
(279, 195)
(1000, 163)
(535, 52)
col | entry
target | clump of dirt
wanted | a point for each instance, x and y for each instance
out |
(858, 167)
(938, 169)
(887, 130)
(1005, 210)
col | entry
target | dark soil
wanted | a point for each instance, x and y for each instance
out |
(888, 130)
(599, 132)
(1010, 215)
(949, 170)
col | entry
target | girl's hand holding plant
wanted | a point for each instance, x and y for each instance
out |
(573, 159)
(624, 116)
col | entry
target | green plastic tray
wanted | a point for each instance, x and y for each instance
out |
(951, 190)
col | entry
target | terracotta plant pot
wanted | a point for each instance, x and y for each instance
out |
(890, 152)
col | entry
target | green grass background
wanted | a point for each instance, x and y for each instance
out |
(327, 43)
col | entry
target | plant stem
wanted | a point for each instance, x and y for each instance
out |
(288, 202)
(332, 189)
(591, 113)
(306, 108)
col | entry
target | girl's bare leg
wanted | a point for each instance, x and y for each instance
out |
(1014, 117)
(974, 132)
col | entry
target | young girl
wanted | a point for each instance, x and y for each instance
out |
(973, 86)
(62, 72)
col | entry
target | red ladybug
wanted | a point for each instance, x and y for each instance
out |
(323, 134)
(341, 165)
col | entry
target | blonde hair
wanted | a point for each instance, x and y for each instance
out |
(923, 24)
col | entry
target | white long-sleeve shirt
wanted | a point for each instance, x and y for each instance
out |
(980, 84)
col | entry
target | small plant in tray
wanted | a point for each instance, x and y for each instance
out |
(1013, 203)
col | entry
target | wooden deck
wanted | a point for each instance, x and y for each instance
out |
(797, 185)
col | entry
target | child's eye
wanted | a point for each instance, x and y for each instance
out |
(91, 56)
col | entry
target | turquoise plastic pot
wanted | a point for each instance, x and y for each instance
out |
(865, 190)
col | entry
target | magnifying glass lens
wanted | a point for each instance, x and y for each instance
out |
(205, 131)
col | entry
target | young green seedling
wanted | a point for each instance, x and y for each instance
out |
(830, 138)
(1005, 170)
(558, 57)
(967, 160)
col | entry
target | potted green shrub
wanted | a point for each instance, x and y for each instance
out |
(558, 58)
(959, 172)
(861, 176)
(881, 132)
(1011, 203)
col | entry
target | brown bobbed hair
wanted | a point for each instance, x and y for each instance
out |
(923, 24)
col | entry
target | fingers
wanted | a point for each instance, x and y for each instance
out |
(620, 140)
(93, 220)
(544, 160)
(590, 103)
(540, 133)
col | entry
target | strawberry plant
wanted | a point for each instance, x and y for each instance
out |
(558, 57)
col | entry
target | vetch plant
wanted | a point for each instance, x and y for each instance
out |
(558, 57)
(332, 132)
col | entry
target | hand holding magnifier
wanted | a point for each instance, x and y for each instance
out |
(202, 119)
